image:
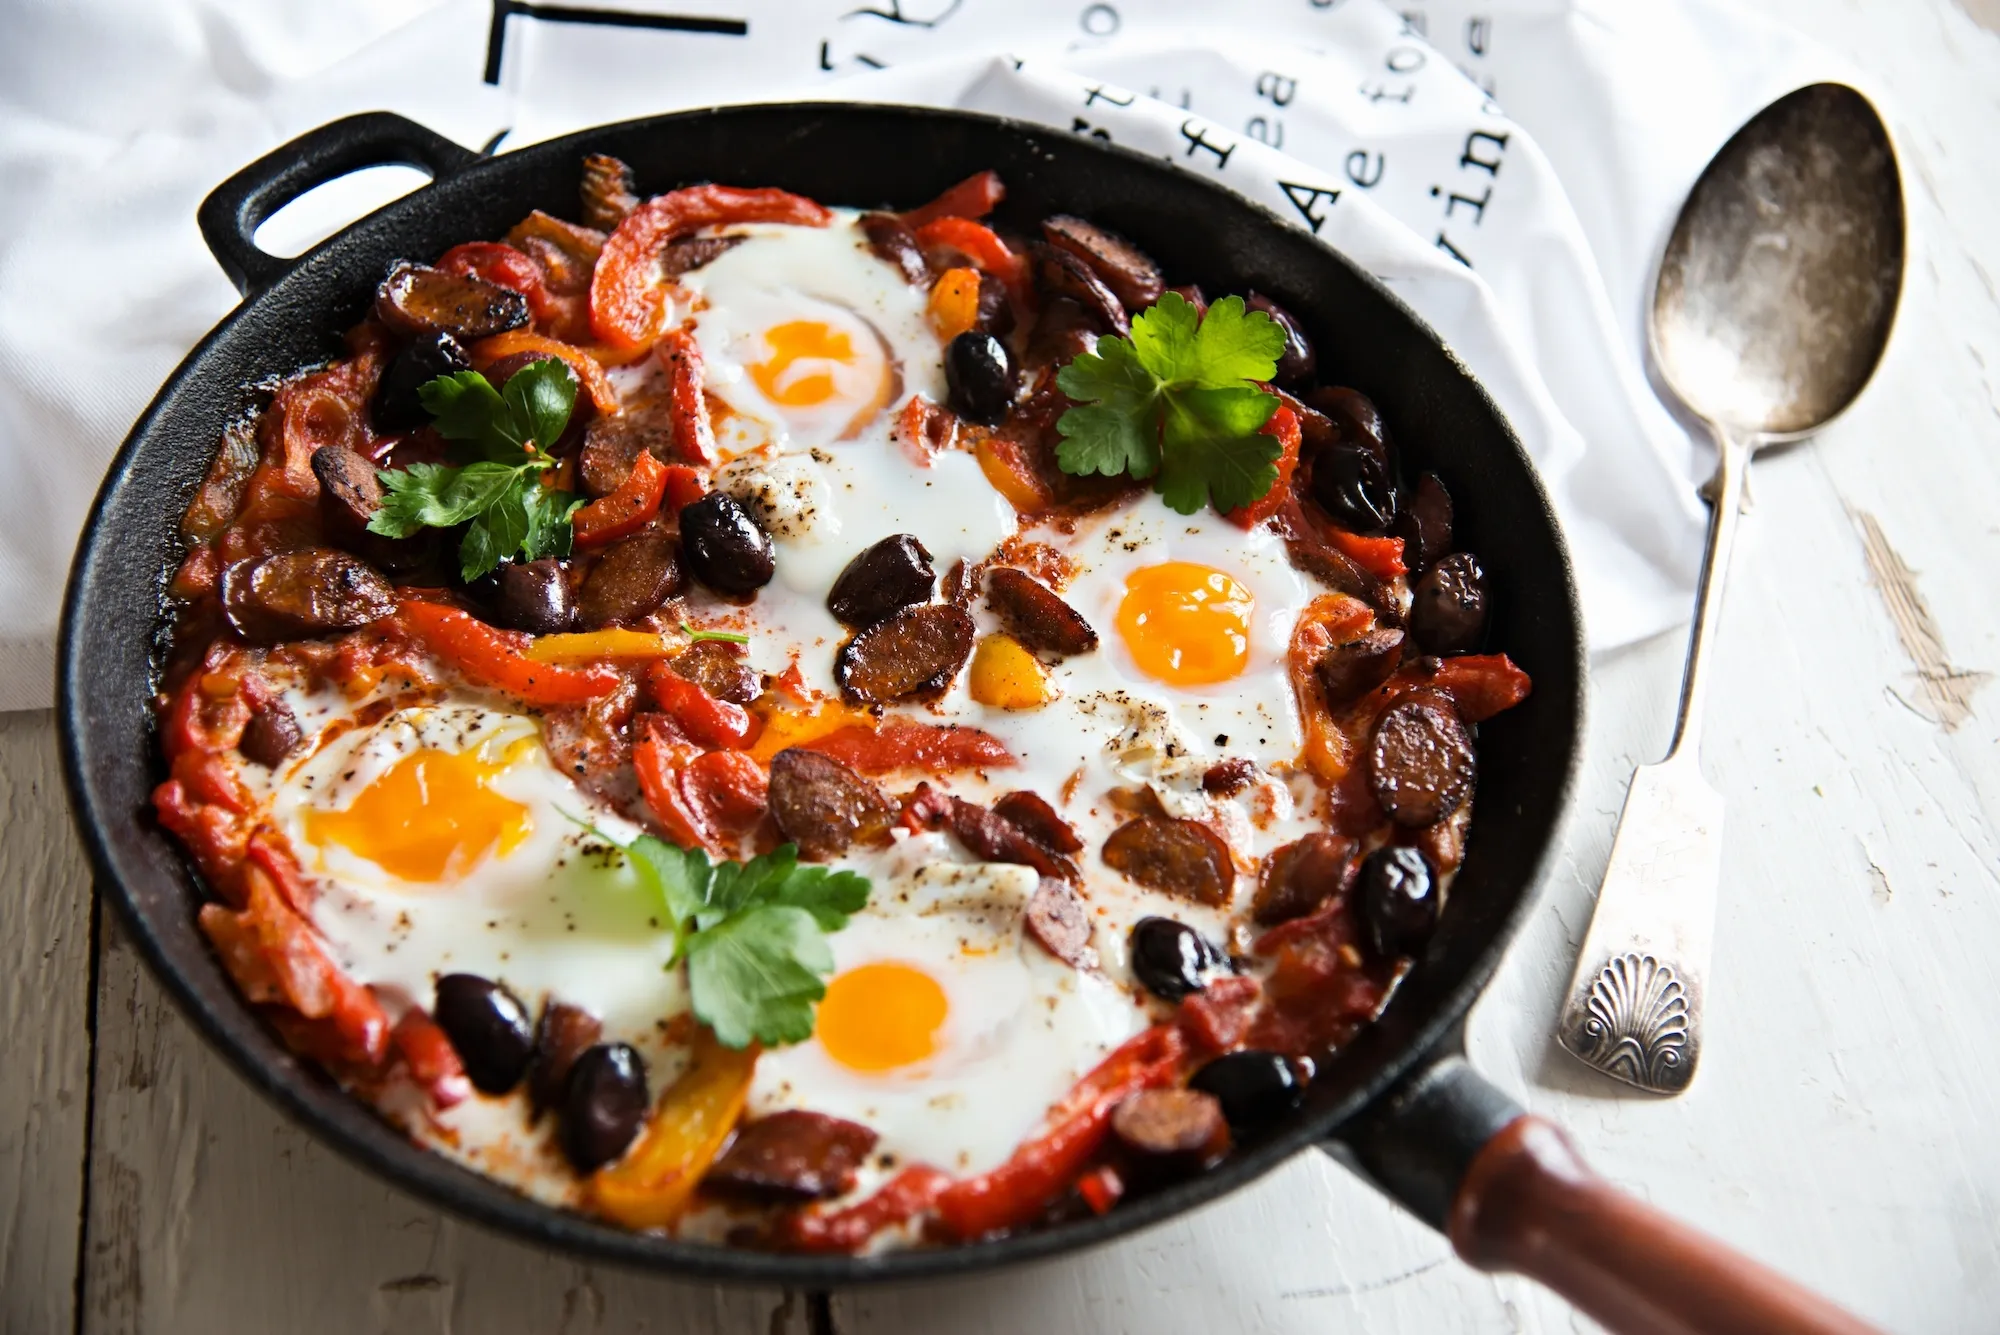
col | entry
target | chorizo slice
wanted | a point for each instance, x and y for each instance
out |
(349, 493)
(793, 1156)
(1128, 271)
(1301, 877)
(1058, 273)
(1173, 856)
(823, 806)
(1226, 778)
(719, 669)
(611, 445)
(892, 242)
(630, 580)
(1173, 1130)
(1036, 615)
(271, 734)
(687, 253)
(297, 594)
(606, 191)
(419, 300)
(1420, 760)
(562, 1034)
(916, 652)
(1057, 917)
(994, 838)
(1039, 821)
(1425, 524)
(1349, 670)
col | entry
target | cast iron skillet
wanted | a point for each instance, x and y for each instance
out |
(1400, 1103)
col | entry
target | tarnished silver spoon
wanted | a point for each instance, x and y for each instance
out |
(1770, 312)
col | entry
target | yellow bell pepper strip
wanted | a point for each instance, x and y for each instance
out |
(650, 1187)
(596, 646)
(496, 657)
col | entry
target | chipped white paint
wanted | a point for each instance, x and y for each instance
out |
(1841, 1128)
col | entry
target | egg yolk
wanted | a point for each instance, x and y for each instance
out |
(1186, 624)
(796, 374)
(881, 1016)
(432, 816)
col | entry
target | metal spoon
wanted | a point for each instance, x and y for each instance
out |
(1772, 305)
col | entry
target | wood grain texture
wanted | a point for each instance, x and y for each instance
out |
(44, 1041)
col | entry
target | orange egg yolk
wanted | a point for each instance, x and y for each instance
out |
(432, 816)
(881, 1016)
(796, 374)
(1186, 624)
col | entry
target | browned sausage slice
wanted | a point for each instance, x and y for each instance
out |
(611, 445)
(606, 191)
(1057, 917)
(1425, 524)
(1349, 670)
(271, 734)
(1300, 877)
(1174, 856)
(1420, 761)
(562, 1034)
(896, 245)
(418, 299)
(1225, 778)
(1174, 1129)
(1128, 271)
(823, 806)
(719, 669)
(1039, 821)
(688, 253)
(993, 838)
(631, 579)
(1058, 273)
(349, 494)
(793, 1156)
(312, 591)
(1036, 615)
(915, 652)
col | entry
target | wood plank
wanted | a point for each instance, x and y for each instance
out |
(210, 1212)
(45, 1041)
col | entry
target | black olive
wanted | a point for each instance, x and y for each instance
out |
(723, 546)
(530, 595)
(489, 1029)
(980, 376)
(1399, 899)
(397, 405)
(604, 1106)
(1297, 363)
(1354, 486)
(1448, 606)
(1253, 1087)
(1170, 958)
(893, 574)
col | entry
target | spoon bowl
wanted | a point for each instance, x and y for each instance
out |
(1780, 282)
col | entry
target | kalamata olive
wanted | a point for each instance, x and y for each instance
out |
(1253, 1087)
(397, 405)
(1297, 363)
(604, 1106)
(980, 376)
(1355, 416)
(996, 308)
(1399, 899)
(1352, 483)
(489, 1029)
(723, 546)
(1171, 959)
(1425, 524)
(271, 734)
(1448, 606)
(533, 596)
(884, 579)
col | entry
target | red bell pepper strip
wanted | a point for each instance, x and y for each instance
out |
(506, 266)
(727, 789)
(494, 657)
(687, 402)
(709, 723)
(899, 744)
(627, 297)
(977, 242)
(658, 758)
(904, 1197)
(589, 371)
(684, 488)
(974, 197)
(432, 1060)
(1100, 1188)
(1019, 1190)
(1284, 424)
(1381, 557)
(1481, 685)
(626, 510)
(1216, 1019)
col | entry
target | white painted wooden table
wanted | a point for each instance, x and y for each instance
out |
(1845, 1127)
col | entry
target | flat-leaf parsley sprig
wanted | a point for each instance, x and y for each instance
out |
(1177, 401)
(753, 934)
(501, 494)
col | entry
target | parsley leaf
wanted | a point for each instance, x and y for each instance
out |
(499, 495)
(752, 934)
(1177, 400)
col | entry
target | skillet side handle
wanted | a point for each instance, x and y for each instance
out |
(1512, 1194)
(234, 210)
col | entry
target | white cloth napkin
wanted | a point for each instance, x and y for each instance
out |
(1524, 236)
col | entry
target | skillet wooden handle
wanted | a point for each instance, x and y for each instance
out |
(1530, 1204)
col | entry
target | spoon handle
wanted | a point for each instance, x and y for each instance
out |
(1634, 1007)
